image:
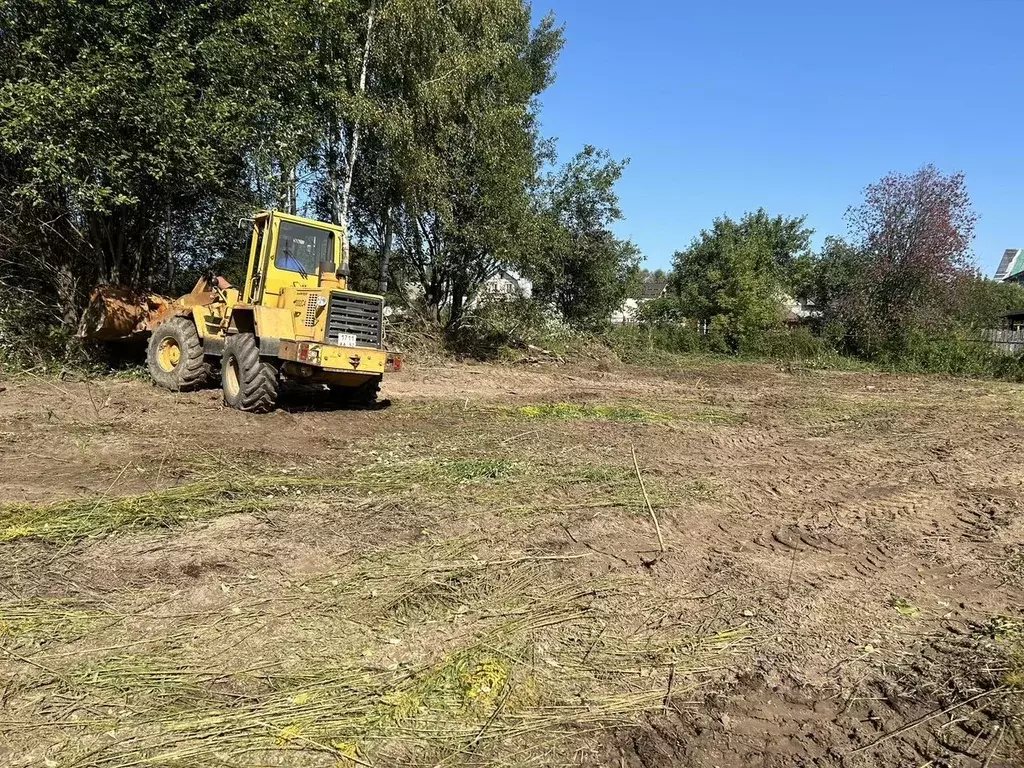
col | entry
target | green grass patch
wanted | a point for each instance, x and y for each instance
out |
(38, 623)
(209, 498)
(612, 412)
(82, 518)
(839, 413)
(509, 487)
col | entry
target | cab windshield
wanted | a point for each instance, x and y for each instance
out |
(301, 248)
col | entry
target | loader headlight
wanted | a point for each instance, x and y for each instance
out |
(388, 311)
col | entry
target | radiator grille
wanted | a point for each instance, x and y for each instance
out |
(358, 315)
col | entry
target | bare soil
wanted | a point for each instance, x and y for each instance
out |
(842, 582)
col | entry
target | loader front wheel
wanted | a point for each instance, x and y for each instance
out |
(250, 383)
(175, 356)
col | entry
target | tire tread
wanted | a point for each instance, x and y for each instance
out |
(193, 371)
(257, 377)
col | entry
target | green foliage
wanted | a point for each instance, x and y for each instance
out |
(134, 134)
(499, 324)
(664, 310)
(904, 272)
(656, 345)
(115, 117)
(983, 302)
(734, 275)
(581, 267)
(789, 344)
(30, 333)
(443, 193)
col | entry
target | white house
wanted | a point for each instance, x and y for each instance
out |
(626, 314)
(505, 284)
(652, 289)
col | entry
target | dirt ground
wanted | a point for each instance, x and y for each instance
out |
(471, 576)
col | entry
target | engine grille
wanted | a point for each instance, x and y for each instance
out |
(358, 315)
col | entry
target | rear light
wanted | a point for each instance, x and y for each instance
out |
(394, 363)
(309, 354)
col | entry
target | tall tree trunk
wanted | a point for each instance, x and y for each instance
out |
(66, 283)
(353, 145)
(287, 196)
(334, 184)
(169, 246)
(385, 252)
(293, 191)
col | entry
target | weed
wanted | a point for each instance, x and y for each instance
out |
(904, 607)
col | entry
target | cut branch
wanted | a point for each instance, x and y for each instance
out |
(647, 500)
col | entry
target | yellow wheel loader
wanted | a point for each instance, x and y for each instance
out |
(293, 318)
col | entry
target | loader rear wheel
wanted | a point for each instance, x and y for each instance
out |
(250, 383)
(363, 396)
(175, 356)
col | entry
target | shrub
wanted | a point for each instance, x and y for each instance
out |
(29, 335)
(786, 344)
(498, 324)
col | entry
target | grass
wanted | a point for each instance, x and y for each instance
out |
(222, 494)
(510, 487)
(837, 413)
(82, 518)
(446, 647)
(424, 655)
(613, 412)
(36, 622)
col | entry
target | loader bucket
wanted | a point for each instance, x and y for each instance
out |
(116, 312)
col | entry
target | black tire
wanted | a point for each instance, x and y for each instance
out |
(362, 396)
(250, 383)
(175, 356)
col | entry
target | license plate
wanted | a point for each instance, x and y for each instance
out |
(346, 339)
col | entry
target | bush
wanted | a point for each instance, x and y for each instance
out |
(30, 336)
(787, 344)
(958, 354)
(634, 342)
(499, 324)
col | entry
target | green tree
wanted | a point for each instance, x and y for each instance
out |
(133, 133)
(442, 193)
(581, 266)
(907, 267)
(734, 276)
(119, 122)
(983, 301)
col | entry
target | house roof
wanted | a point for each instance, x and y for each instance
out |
(1011, 266)
(652, 289)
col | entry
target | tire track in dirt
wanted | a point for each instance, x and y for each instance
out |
(843, 556)
(942, 709)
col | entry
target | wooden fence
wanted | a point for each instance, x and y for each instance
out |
(1004, 341)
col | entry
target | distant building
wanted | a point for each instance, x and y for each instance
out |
(505, 284)
(652, 289)
(1011, 266)
(626, 313)
(798, 311)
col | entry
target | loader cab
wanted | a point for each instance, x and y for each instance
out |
(292, 252)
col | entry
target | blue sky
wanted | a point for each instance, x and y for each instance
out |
(793, 105)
